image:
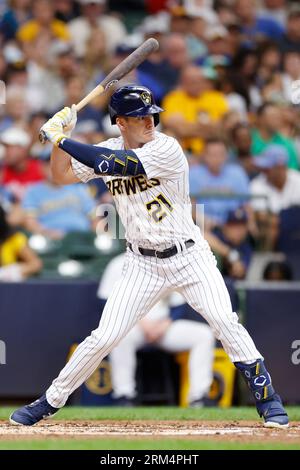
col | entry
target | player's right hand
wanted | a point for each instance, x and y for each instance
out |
(60, 125)
(54, 131)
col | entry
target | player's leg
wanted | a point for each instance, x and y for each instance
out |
(205, 290)
(123, 364)
(198, 339)
(132, 297)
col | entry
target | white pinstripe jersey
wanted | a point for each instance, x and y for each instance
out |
(155, 209)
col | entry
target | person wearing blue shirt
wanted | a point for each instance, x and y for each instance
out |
(232, 244)
(54, 210)
(219, 185)
(254, 27)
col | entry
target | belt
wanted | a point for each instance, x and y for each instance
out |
(173, 250)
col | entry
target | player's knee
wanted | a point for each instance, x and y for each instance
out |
(104, 341)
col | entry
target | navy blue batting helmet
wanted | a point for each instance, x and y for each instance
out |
(133, 101)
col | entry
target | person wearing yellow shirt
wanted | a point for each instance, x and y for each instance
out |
(17, 260)
(192, 111)
(43, 22)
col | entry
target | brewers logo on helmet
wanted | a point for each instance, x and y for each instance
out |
(133, 101)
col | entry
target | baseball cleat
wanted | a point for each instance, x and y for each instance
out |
(31, 414)
(273, 413)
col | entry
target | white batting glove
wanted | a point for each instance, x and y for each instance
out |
(68, 118)
(54, 131)
(60, 125)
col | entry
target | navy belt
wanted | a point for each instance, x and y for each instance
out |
(173, 250)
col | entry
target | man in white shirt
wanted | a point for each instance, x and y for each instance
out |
(277, 187)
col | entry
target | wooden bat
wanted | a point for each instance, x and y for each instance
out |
(128, 64)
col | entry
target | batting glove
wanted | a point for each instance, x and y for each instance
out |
(68, 118)
(54, 131)
(61, 124)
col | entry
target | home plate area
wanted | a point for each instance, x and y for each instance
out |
(224, 430)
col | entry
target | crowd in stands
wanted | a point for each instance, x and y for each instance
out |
(223, 75)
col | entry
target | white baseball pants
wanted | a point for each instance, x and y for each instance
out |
(144, 281)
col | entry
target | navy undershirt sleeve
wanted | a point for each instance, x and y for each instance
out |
(104, 161)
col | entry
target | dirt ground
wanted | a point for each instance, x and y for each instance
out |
(241, 431)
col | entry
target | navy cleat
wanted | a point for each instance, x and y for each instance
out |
(273, 413)
(31, 414)
(268, 403)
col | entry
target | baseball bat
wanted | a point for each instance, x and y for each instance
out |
(128, 64)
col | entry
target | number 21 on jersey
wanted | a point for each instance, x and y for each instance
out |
(157, 207)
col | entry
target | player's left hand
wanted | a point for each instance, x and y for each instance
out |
(70, 120)
(67, 117)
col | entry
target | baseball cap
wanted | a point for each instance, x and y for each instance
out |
(15, 136)
(272, 156)
(159, 23)
(217, 31)
(237, 216)
(207, 14)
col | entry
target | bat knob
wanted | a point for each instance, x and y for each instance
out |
(42, 137)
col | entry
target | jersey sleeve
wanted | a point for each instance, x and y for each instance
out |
(163, 158)
(86, 174)
(83, 172)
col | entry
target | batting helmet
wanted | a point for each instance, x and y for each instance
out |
(133, 101)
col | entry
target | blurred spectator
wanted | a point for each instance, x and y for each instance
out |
(217, 40)
(275, 9)
(96, 62)
(52, 80)
(278, 271)
(196, 41)
(232, 245)
(241, 141)
(234, 34)
(54, 210)
(269, 62)
(89, 122)
(291, 38)
(3, 67)
(179, 19)
(291, 72)
(43, 22)
(18, 169)
(290, 126)
(275, 189)
(16, 14)
(244, 68)
(165, 328)
(219, 185)
(256, 27)
(161, 71)
(236, 102)
(66, 10)
(17, 260)
(192, 112)
(278, 186)
(272, 91)
(16, 108)
(269, 122)
(92, 16)
(175, 53)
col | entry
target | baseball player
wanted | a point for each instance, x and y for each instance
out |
(147, 173)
